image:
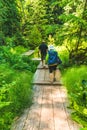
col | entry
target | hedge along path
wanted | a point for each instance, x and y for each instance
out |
(49, 110)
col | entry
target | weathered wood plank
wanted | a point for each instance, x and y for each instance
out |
(36, 59)
(60, 117)
(33, 119)
(19, 123)
(28, 53)
(47, 121)
(39, 75)
(47, 83)
(72, 124)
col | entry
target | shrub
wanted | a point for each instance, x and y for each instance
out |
(15, 94)
(73, 79)
(19, 49)
(22, 91)
(16, 74)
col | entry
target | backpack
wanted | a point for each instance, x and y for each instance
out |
(52, 57)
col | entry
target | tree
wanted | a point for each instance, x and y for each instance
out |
(11, 19)
(74, 30)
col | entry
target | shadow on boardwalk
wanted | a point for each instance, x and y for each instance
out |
(49, 110)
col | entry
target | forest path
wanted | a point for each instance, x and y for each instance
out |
(49, 110)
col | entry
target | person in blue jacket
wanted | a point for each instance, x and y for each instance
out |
(51, 59)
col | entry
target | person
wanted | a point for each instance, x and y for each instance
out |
(51, 59)
(43, 48)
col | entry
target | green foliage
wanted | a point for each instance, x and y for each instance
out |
(6, 120)
(75, 79)
(34, 37)
(2, 38)
(8, 55)
(16, 73)
(73, 32)
(21, 89)
(49, 29)
(19, 39)
(83, 128)
(10, 17)
(6, 74)
(11, 56)
(64, 55)
(19, 49)
(15, 94)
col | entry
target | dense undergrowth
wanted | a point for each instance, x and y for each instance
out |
(16, 74)
(75, 80)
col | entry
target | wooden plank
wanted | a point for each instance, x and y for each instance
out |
(36, 59)
(42, 78)
(72, 124)
(39, 76)
(58, 76)
(41, 67)
(33, 119)
(46, 83)
(60, 117)
(47, 122)
(46, 77)
(19, 123)
(28, 53)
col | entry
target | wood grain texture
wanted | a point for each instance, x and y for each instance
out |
(49, 110)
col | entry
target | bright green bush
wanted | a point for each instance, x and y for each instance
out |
(20, 49)
(73, 77)
(21, 92)
(83, 128)
(16, 74)
(64, 55)
(6, 74)
(16, 61)
(65, 58)
(15, 93)
(77, 92)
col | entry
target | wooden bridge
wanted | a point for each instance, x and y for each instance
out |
(49, 110)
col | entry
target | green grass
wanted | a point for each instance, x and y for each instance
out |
(77, 92)
(16, 93)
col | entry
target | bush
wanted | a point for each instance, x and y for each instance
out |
(22, 91)
(20, 49)
(15, 94)
(64, 55)
(73, 79)
(16, 74)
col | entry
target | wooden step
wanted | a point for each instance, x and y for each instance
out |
(46, 83)
(42, 67)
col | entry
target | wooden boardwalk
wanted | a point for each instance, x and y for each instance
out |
(49, 110)
(28, 53)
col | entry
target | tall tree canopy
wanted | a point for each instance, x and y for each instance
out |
(28, 22)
